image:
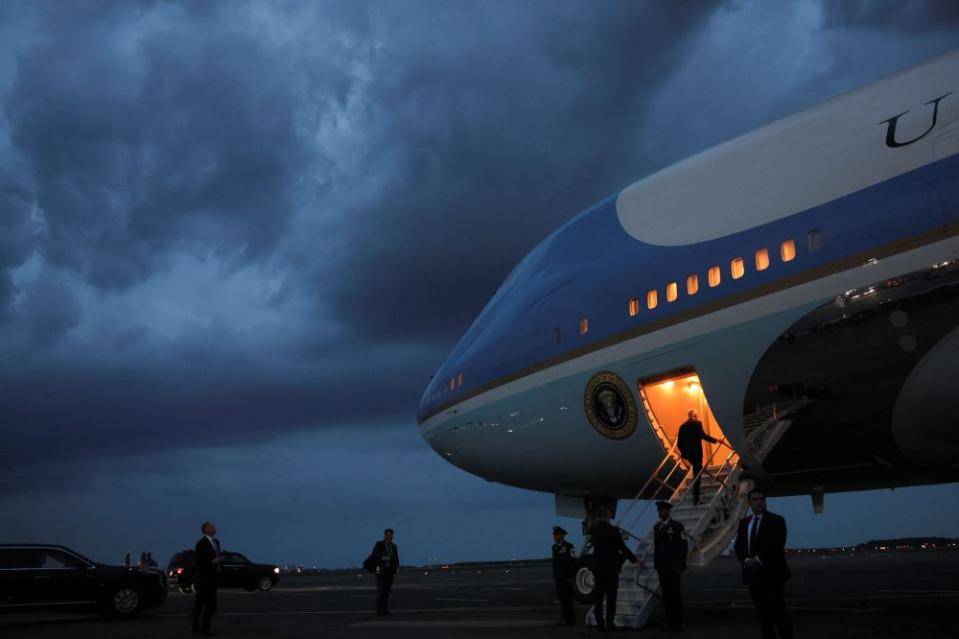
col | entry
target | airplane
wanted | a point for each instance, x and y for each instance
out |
(797, 285)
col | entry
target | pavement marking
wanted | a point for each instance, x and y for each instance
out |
(456, 623)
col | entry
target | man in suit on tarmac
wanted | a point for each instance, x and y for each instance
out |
(564, 571)
(760, 546)
(609, 552)
(386, 557)
(205, 577)
(669, 552)
(690, 444)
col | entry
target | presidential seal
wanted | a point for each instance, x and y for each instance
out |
(610, 406)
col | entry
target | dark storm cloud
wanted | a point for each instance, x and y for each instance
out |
(486, 132)
(148, 133)
(929, 15)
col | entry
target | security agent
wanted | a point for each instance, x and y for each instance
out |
(609, 552)
(564, 571)
(205, 578)
(669, 552)
(760, 548)
(387, 560)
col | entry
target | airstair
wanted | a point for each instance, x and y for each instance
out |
(710, 524)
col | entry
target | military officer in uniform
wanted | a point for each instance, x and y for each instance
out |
(564, 571)
(669, 552)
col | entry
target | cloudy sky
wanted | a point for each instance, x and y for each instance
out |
(237, 238)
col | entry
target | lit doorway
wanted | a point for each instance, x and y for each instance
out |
(668, 400)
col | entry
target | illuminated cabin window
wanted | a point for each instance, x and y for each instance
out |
(652, 299)
(692, 284)
(814, 240)
(672, 292)
(459, 379)
(787, 250)
(452, 383)
(737, 268)
(633, 306)
(583, 325)
(556, 335)
(762, 259)
(715, 277)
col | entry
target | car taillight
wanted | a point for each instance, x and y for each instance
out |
(179, 571)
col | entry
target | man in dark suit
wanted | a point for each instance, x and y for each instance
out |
(669, 552)
(760, 546)
(609, 552)
(386, 557)
(205, 576)
(564, 571)
(690, 444)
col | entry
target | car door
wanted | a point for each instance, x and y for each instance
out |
(235, 570)
(63, 578)
(16, 576)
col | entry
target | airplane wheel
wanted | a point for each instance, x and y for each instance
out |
(584, 583)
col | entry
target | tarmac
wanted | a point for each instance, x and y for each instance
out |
(864, 595)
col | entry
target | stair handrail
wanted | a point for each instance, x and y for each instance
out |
(654, 476)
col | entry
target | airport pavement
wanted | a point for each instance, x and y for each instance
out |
(895, 595)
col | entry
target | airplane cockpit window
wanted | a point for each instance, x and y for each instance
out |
(787, 250)
(814, 240)
(714, 277)
(762, 259)
(737, 268)
(652, 299)
(692, 284)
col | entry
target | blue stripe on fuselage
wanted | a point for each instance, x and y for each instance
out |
(590, 267)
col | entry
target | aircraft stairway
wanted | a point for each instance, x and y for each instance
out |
(710, 525)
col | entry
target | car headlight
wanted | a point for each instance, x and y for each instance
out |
(276, 570)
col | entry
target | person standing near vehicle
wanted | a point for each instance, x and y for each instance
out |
(609, 552)
(564, 570)
(205, 577)
(386, 557)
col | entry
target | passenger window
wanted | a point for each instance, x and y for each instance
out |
(633, 306)
(459, 379)
(556, 335)
(762, 259)
(787, 250)
(692, 284)
(452, 383)
(737, 267)
(672, 292)
(714, 277)
(583, 325)
(652, 299)
(814, 240)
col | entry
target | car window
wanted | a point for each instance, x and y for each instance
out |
(54, 559)
(20, 558)
(235, 558)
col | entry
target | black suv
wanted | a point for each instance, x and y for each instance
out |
(235, 571)
(47, 575)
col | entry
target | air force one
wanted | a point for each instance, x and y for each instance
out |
(798, 286)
